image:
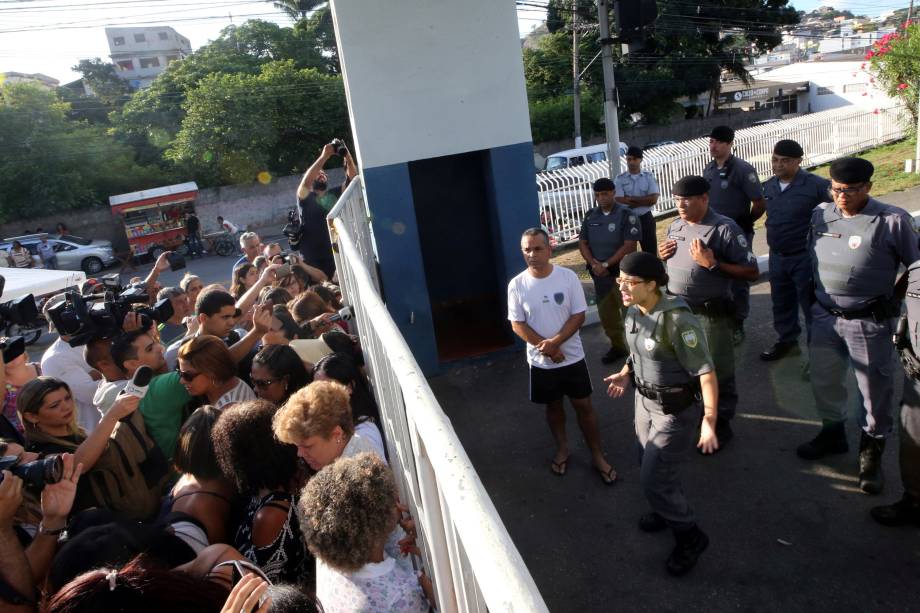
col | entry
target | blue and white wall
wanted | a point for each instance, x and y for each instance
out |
(426, 79)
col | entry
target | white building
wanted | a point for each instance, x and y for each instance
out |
(37, 78)
(140, 54)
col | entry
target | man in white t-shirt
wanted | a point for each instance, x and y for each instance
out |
(546, 307)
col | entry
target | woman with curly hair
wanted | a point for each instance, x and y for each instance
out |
(347, 512)
(265, 470)
(317, 419)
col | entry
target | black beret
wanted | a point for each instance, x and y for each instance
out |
(723, 134)
(603, 185)
(851, 170)
(788, 148)
(691, 186)
(634, 152)
(644, 265)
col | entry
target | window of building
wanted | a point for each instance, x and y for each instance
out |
(118, 41)
(171, 58)
(125, 64)
(163, 35)
(140, 38)
(855, 88)
(824, 91)
(150, 62)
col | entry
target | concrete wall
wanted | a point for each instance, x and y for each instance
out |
(252, 206)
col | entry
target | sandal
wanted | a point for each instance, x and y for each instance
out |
(609, 477)
(559, 468)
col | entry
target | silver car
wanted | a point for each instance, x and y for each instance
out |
(73, 252)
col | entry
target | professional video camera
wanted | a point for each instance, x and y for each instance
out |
(87, 318)
(22, 311)
(36, 475)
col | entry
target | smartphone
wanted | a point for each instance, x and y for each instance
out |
(283, 270)
(176, 261)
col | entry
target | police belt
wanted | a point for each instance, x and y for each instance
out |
(716, 307)
(673, 399)
(879, 309)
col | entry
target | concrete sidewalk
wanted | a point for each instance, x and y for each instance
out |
(785, 534)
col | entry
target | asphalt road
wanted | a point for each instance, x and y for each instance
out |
(786, 534)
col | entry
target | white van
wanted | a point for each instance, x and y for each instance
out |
(577, 157)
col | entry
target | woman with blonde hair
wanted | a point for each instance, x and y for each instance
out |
(207, 370)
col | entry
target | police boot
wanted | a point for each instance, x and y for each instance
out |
(831, 439)
(871, 478)
(690, 545)
(904, 512)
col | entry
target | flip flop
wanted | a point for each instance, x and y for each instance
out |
(559, 468)
(609, 477)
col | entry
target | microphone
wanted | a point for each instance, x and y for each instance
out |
(137, 386)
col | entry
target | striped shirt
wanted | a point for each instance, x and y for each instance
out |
(240, 393)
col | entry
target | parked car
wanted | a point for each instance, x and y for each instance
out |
(659, 143)
(73, 252)
(577, 157)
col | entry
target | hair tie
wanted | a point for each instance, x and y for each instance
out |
(111, 576)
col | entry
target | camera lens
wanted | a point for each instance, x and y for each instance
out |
(40, 473)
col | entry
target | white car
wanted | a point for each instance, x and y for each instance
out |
(73, 252)
(577, 157)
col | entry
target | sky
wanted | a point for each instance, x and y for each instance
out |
(51, 36)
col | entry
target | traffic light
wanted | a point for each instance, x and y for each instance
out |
(633, 17)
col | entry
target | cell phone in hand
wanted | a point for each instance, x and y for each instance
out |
(283, 270)
(176, 261)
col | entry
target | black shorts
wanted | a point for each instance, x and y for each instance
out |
(550, 384)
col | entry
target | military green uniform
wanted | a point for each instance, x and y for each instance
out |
(668, 353)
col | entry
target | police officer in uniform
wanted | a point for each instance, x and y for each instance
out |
(791, 195)
(670, 366)
(734, 191)
(907, 341)
(705, 252)
(638, 189)
(856, 245)
(608, 232)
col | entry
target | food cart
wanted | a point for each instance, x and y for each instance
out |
(154, 219)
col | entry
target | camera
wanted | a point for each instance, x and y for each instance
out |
(283, 270)
(37, 474)
(292, 229)
(21, 311)
(12, 348)
(83, 320)
(340, 149)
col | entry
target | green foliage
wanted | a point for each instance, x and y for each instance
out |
(50, 163)
(685, 56)
(895, 61)
(103, 80)
(237, 125)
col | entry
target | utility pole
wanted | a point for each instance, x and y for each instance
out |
(576, 90)
(910, 11)
(611, 126)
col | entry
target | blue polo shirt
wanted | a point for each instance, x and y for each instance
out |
(789, 210)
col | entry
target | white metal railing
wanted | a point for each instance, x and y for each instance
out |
(565, 195)
(466, 549)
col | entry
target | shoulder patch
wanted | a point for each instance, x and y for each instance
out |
(632, 219)
(753, 178)
(690, 339)
(742, 240)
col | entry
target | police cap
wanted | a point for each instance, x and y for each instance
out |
(788, 148)
(634, 152)
(851, 170)
(691, 186)
(603, 185)
(644, 265)
(722, 134)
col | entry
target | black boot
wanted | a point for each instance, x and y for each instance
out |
(831, 439)
(690, 545)
(871, 478)
(904, 512)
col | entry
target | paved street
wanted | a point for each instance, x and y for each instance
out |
(785, 534)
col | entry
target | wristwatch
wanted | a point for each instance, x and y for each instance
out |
(56, 532)
(714, 267)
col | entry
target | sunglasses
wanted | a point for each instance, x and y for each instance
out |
(188, 375)
(263, 382)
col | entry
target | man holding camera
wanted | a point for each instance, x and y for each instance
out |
(314, 201)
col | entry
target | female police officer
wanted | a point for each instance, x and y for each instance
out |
(670, 365)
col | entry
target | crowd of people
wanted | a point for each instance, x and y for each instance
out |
(676, 310)
(228, 458)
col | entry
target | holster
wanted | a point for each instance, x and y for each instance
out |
(673, 399)
(715, 308)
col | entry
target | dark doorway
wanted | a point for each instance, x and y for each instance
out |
(455, 226)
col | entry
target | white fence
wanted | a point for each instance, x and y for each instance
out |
(565, 195)
(465, 548)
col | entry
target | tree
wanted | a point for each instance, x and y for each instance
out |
(298, 10)
(685, 56)
(51, 163)
(238, 125)
(103, 80)
(895, 61)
